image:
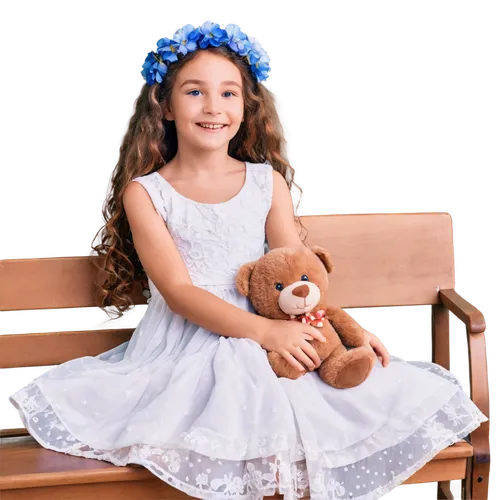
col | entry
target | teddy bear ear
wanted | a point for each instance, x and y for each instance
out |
(243, 278)
(324, 256)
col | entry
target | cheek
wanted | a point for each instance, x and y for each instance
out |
(264, 299)
(235, 110)
(190, 109)
(185, 108)
(287, 300)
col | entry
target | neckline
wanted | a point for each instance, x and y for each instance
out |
(190, 200)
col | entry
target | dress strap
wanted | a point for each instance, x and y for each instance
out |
(262, 174)
(151, 184)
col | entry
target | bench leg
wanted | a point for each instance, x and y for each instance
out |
(480, 479)
(466, 488)
(450, 490)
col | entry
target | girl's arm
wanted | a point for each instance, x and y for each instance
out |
(281, 232)
(280, 224)
(166, 269)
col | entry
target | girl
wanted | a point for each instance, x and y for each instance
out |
(201, 185)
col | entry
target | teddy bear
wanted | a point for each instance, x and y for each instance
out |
(291, 284)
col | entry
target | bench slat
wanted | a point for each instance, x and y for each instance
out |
(53, 348)
(51, 283)
(26, 464)
(386, 259)
(380, 260)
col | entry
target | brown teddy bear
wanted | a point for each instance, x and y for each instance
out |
(292, 284)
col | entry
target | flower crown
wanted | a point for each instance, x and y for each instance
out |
(188, 39)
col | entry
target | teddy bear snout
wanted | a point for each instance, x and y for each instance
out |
(301, 291)
(298, 298)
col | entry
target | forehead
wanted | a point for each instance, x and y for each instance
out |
(286, 262)
(212, 69)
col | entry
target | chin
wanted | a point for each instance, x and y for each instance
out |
(212, 146)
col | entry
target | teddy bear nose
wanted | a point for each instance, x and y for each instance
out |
(301, 291)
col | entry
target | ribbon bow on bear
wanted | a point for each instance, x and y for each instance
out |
(314, 319)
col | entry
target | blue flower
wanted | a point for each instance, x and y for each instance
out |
(154, 69)
(161, 42)
(261, 68)
(168, 49)
(237, 40)
(258, 60)
(256, 49)
(212, 34)
(187, 37)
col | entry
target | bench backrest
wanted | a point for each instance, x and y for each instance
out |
(380, 260)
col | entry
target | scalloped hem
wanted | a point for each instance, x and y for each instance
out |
(292, 495)
(280, 472)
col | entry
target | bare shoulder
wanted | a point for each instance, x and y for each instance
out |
(133, 190)
(280, 187)
(136, 200)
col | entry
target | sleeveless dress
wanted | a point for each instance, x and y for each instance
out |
(207, 414)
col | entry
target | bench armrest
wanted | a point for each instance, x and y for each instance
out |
(471, 316)
(478, 372)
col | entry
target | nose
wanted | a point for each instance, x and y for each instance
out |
(211, 104)
(301, 291)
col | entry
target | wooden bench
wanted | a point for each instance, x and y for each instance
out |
(381, 260)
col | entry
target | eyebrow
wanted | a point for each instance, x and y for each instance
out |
(227, 82)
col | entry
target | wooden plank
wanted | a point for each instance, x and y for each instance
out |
(26, 464)
(53, 348)
(51, 283)
(380, 260)
(440, 470)
(386, 259)
(151, 489)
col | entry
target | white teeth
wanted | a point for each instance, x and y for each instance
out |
(204, 125)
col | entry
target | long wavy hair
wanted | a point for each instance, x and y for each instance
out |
(149, 143)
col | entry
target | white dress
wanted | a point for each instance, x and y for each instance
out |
(206, 413)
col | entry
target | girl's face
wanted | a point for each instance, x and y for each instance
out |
(208, 89)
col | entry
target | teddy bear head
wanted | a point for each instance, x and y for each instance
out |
(286, 281)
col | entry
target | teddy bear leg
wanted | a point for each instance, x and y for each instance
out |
(282, 368)
(349, 369)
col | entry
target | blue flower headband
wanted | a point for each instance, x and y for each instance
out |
(187, 39)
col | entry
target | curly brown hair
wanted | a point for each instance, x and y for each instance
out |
(149, 143)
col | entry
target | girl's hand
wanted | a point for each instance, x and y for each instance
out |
(290, 340)
(377, 347)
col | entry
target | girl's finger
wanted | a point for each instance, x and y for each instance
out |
(315, 333)
(299, 354)
(311, 352)
(288, 357)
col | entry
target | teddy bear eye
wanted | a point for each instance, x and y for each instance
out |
(279, 286)
(304, 277)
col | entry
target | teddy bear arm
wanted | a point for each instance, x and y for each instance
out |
(351, 333)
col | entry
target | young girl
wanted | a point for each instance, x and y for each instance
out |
(202, 184)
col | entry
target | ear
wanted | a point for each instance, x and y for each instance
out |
(243, 278)
(169, 115)
(324, 256)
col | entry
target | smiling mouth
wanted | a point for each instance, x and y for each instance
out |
(216, 129)
(301, 307)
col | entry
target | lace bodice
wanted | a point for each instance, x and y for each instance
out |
(216, 239)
